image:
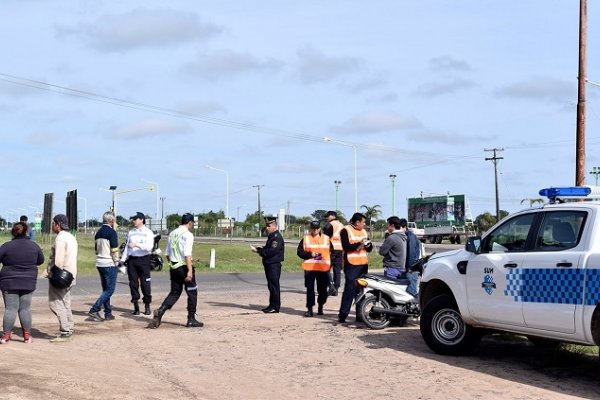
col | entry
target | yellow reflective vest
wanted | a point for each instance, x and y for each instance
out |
(356, 257)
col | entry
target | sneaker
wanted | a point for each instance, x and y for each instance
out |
(5, 338)
(95, 315)
(109, 317)
(27, 337)
(63, 337)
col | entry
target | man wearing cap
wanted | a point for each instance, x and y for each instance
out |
(272, 254)
(179, 253)
(64, 256)
(139, 245)
(332, 228)
(315, 250)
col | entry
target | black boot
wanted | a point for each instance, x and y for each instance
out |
(136, 308)
(147, 310)
(320, 309)
(309, 312)
(158, 314)
(192, 322)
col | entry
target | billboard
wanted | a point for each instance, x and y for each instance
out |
(437, 210)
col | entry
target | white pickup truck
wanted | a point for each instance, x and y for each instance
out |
(535, 273)
(419, 232)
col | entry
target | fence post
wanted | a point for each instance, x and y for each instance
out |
(211, 263)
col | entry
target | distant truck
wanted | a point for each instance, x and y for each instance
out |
(441, 218)
(419, 232)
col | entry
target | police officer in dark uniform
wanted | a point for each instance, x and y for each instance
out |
(272, 255)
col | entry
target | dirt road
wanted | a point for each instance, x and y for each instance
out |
(242, 353)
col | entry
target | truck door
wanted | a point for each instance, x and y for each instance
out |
(551, 277)
(488, 273)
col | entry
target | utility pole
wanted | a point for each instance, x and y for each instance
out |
(495, 159)
(259, 212)
(393, 178)
(162, 211)
(580, 130)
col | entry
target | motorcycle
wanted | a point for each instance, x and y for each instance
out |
(384, 299)
(156, 260)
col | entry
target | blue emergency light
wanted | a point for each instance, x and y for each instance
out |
(572, 191)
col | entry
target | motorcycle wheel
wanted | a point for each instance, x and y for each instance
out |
(444, 330)
(156, 262)
(373, 320)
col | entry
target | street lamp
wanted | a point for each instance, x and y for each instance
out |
(157, 193)
(326, 139)
(226, 187)
(595, 172)
(393, 178)
(337, 189)
(116, 194)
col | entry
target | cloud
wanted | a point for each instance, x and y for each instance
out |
(435, 89)
(429, 135)
(376, 121)
(375, 82)
(383, 98)
(540, 88)
(227, 63)
(316, 67)
(447, 63)
(151, 127)
(143, 27)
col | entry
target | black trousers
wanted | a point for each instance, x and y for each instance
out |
(273, 273)
(177, 284)
(322, 278)
(138, 269)
(336, 268)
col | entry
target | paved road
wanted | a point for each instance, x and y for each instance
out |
(222, 282)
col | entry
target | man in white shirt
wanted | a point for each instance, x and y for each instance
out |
(179, 253)
(139, 245)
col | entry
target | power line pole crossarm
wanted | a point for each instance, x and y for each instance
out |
(495, 160)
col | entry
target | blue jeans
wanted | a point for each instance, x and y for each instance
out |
(351, 290)
(108, 279)
(413, 286)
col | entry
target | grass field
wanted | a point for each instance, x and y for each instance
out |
(229, 256)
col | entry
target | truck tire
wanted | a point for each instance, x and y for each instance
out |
(444, 330)
(438, 239)
(372, 319)
(452, 240)
(457, 239)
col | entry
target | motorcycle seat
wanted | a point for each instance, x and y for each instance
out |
(383, 278)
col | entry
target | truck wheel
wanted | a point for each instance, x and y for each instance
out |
(374, 320)
(443, 328)
(452, 240)
(457, 239)
(431, 239)
(439, 239)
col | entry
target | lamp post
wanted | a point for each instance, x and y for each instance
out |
(226, 187)
(337, 190)
(157, 193)
(116, 194)
(595, 172)
(326, 139)
(393, 178)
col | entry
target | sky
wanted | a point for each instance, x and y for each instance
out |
(99, 93)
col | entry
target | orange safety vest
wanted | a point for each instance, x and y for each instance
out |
(335, 238)
(356, 257)
(317, 244)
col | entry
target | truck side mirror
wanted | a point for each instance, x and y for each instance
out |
(473, 244)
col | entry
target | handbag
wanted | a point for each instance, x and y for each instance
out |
(60, 278)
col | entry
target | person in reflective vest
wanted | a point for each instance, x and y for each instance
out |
(315, 249)
(332, 228)
(356, 244)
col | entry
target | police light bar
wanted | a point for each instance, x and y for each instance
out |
(573, 191)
